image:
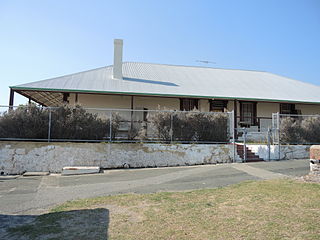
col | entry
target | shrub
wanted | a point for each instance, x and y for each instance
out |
(67, 122)
(24, 122)
(211, 127)
(311, 130)
(290, 130)
(295, 130)
(191, 126)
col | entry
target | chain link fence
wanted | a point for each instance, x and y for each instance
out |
(67, 123)
(297, 129)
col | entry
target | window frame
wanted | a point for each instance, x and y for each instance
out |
(288, 108)
(218, 105)
(253, 118)
(191, 102)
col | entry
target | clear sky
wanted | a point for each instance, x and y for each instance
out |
(44, 39)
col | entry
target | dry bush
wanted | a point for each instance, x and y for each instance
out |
(32, 122)
(24, 122)
(291, 131)
(133, 132)
(311, 130)
(297, 131)
(191, 126)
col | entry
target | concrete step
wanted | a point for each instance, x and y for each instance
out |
(76, 170)
(250, 156)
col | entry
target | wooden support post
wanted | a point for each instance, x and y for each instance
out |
(11, 99)
(235, 106)
(131, 125)
(76, 99)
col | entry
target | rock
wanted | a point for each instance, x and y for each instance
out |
(315, 152)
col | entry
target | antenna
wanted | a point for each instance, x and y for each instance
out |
(205, 61)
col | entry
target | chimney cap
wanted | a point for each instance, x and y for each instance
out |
(118, 41)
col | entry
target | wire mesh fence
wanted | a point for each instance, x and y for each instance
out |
(297, 129)
(75, 123)
(255, 137)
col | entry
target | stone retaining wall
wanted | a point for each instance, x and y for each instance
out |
(18, 157)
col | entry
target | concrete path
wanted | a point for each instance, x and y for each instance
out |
(35, 195)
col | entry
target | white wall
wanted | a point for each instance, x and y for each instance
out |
(153, 103)
(264, 109)
(18, 157)
(287, 152)
(307, 109)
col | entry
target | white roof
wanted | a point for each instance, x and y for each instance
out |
(179, 81)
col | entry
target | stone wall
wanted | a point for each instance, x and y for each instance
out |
(286, 151)
(18, 157)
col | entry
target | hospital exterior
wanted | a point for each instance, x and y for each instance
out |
(252, 95)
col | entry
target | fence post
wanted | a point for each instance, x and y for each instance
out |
(269, 146)
(171, 127)
(245, 144)
(49, 125)
(278, 130)
(110, 127)
(232, 129)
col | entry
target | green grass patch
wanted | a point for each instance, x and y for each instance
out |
(274, 209)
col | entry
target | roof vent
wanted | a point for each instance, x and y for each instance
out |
(117, 60)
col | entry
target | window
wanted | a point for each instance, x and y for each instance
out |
(248, 113)
(145, 114)
(188, 104)
(288, 108)
(218, 105)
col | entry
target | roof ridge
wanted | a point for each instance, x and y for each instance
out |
(176, 65)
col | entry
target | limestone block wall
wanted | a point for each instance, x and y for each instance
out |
(18, 157)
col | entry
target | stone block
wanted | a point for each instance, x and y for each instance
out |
(315, 152)
(79, 170)
(31, 174)
(20, 151)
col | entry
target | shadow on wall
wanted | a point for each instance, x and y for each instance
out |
(77, 224)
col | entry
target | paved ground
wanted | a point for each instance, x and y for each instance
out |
(35, 195)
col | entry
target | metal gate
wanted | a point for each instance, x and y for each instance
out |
(254, 146)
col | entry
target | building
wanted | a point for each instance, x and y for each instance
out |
(252, 95)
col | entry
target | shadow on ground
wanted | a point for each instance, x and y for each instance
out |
(77, 224)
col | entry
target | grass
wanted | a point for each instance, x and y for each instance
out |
(274, 209)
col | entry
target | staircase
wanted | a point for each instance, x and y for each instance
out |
(251, 156)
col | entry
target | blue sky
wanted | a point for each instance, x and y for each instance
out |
(45, 39)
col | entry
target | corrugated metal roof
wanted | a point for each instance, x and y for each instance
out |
(172, 80)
